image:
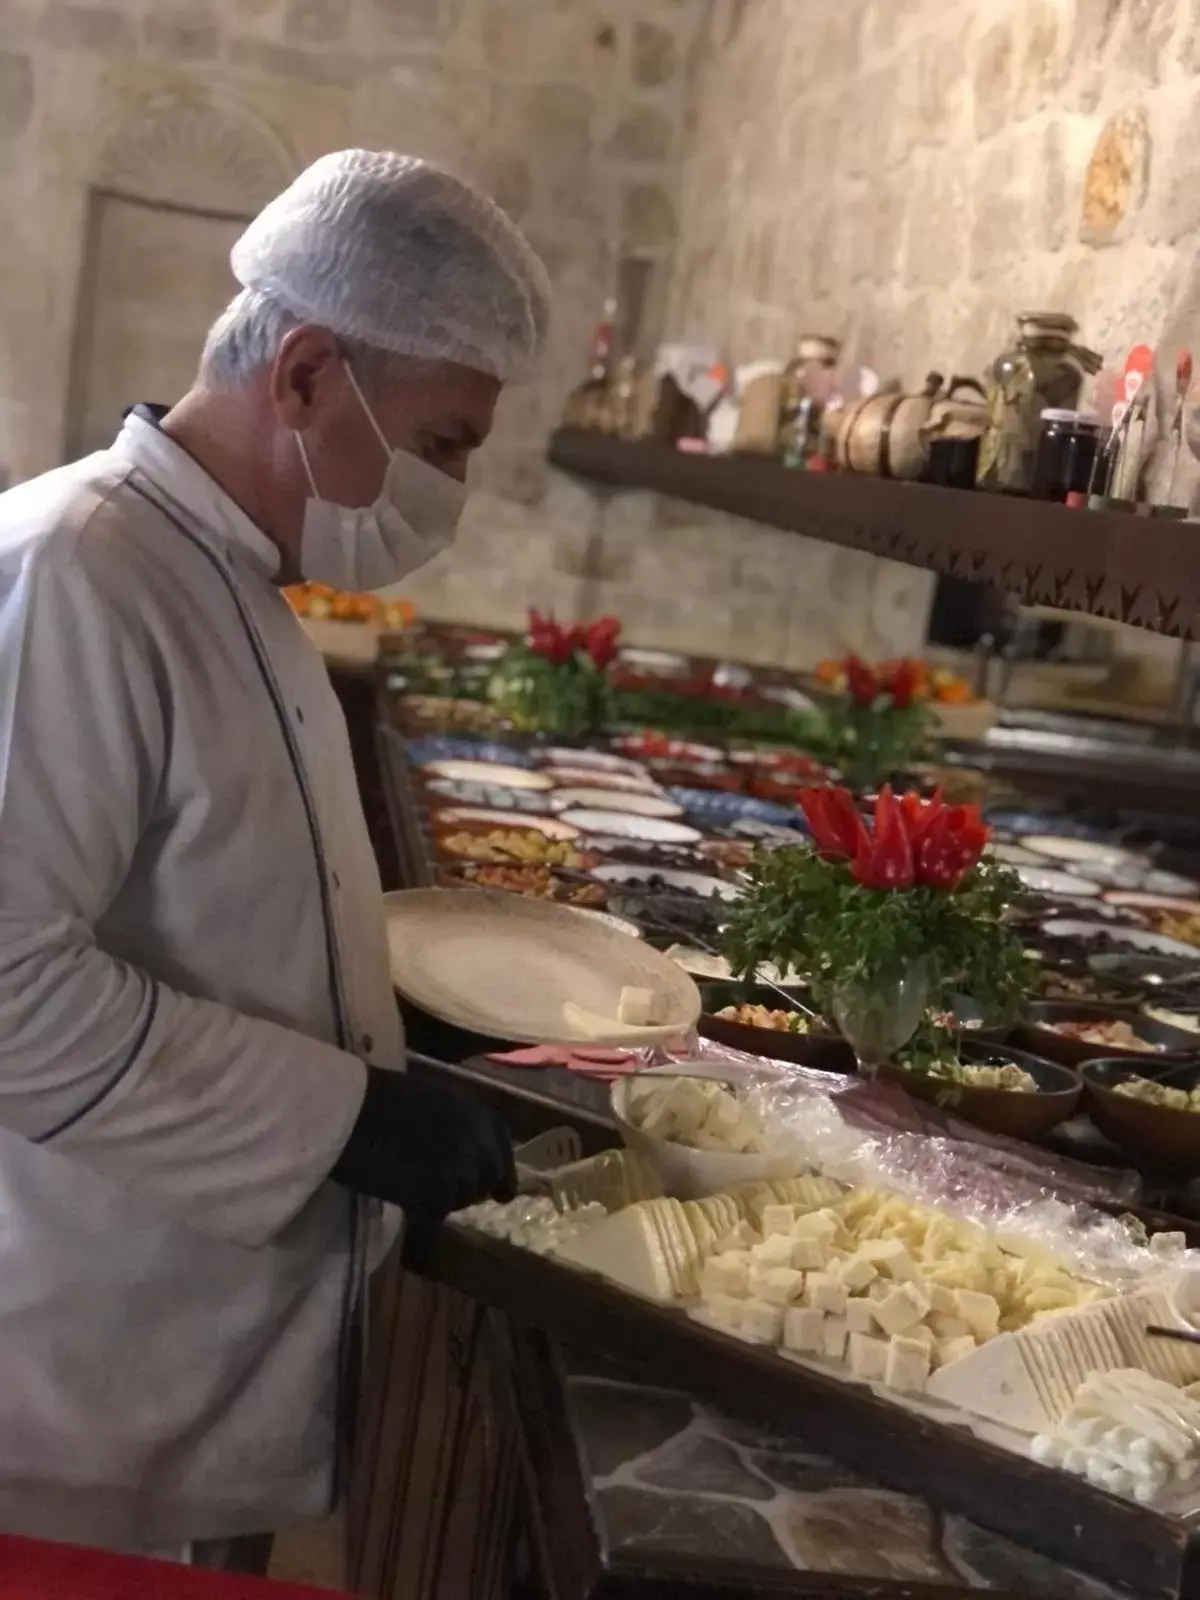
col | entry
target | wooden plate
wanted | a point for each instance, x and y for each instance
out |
(504, 966)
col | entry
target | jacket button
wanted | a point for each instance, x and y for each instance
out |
(367, 1043)
(335, 880)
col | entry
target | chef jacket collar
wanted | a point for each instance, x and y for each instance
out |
(184, 481)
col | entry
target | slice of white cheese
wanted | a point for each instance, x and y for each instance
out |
(1028, 1380)
(624, 1248)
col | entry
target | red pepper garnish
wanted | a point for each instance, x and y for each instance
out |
(862, 683)
(920, 814)
(950, 846)
(904, 681)
(601, 641)
(545, 638)
(885, 861)
(833, 820)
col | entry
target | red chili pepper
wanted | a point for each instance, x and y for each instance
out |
(920, 814)
(950, 847)
(837, 829)
(862, 683)
(601, 641)
(886, 860)
(904, 683)
(545, 638)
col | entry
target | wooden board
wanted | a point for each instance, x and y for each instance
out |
(1053, 1512)
(1130, 569)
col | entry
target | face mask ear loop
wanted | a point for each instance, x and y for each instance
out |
(362, 400)
(303, 449)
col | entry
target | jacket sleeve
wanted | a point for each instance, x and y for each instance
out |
(230, 1122)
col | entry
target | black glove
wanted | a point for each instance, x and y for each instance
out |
(430, 1148)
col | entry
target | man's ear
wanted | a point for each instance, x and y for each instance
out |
(305, 373)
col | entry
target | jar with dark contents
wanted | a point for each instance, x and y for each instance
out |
(1066, 451)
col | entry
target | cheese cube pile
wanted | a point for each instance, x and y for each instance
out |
(1127, 1432)
(698, 1112)
(895, 1290)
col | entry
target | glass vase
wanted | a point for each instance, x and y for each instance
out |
(879, 1012)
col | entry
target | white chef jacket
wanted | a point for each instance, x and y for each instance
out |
(193, 966)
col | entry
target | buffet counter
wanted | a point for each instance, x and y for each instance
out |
(525, 1435)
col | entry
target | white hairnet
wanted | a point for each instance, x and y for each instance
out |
(394, 251)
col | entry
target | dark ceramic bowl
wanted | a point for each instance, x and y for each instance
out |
(1032, 1033)
(822, 1048)
(1004, 1111)
(1154, 1135)
(1101, 989)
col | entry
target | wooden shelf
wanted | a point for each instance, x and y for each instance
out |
(1129, 569)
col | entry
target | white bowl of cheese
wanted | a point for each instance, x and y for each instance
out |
(697, 1131)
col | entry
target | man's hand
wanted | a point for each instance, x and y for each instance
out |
(430, 1148)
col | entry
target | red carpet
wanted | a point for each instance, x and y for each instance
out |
(30, 1571)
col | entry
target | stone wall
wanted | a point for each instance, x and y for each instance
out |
(909, 175)
(568, 111)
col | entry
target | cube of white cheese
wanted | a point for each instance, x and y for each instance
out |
(868, 1357)
(802, 1330)
(777, 1219)
(856, 1272)
(635, 1007)
(890, 1257)
(833, 1338)
(922, 1334)
(728, 1273)
(823, 1291)
(809, 1254)
(774, 1251)
(907, 1365)
(761, 1322)
(860, 1316)
(817, 1225)
(903, 1309)
(947, 1350)
(941, 1299)
(725, 1309)
(778, 1286)
(981, 1312)
(949, 1327)
(741, 1237)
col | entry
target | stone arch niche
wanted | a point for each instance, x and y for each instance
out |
(174, 182)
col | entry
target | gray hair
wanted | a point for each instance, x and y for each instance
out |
(246, 336)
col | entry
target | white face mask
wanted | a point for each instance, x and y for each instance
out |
(357, 548)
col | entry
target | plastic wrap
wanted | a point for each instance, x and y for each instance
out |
(872, 1135)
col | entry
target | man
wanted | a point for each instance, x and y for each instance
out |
(198, 1111)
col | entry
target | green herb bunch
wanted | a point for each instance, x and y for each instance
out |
(808, 913)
